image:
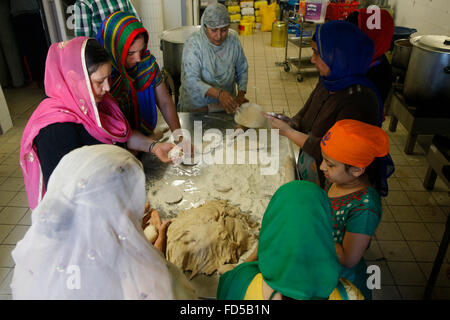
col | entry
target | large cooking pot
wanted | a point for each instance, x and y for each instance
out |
(401, 33)
(172, 42)
(427, 80)
(401, 53)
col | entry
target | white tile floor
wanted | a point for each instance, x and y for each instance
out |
(404, 246)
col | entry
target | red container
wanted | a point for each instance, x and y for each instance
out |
(340, 11)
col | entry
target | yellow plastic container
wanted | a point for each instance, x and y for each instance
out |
(279, 32)
(257, 13)
(258, 19)
(248, 18)
(246, 28)
(234, 9)
(259, 4)
(235, 17)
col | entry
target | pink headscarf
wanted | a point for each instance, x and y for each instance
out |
(70, 99)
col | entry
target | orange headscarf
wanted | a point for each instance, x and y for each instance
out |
(355, 143)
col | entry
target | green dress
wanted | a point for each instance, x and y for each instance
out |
(358, 212)
(297, 219)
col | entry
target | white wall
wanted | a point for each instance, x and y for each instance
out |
(172, 14)
(151, 13)
(427, 16)
(5, 118)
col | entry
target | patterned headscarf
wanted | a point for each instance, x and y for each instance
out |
(70, 99)
(116, 35)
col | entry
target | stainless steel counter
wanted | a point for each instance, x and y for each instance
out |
(252, 188)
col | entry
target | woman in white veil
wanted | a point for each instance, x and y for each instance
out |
(86, 240)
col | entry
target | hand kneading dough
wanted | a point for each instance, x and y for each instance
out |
(151, 233)
(205, 238)
(249, 115)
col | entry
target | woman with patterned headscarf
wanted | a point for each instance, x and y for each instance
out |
(136, 79)
(213, 65)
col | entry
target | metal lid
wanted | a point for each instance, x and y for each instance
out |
(433, 43)
(178, 34)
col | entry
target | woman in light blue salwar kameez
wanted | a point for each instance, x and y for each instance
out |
(214, 71)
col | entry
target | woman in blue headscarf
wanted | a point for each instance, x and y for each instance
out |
(342, 54)
(213, 65)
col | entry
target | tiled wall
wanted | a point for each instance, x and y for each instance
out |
(427, 16)
(5, 118)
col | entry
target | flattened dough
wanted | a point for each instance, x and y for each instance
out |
(205, 238)
(170, 195)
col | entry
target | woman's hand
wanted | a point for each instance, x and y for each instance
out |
(228, 102)
(241, 99)
(161, 242)
(155, 220)
(161, 151)
(281, 125)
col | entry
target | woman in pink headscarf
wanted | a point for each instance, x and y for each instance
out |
(79, 111)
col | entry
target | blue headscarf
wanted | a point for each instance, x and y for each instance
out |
(348, 52)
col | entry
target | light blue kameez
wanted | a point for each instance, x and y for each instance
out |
(205, 65)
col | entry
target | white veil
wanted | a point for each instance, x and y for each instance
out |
(86, 240)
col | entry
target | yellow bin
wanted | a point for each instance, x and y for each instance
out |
(279, 32)
(246, 28)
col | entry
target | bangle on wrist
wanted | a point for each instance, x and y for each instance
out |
(152, 145)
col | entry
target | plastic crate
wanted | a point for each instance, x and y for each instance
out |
(340, 11)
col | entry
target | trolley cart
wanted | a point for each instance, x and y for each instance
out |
(302, 41)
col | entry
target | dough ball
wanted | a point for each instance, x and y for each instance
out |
(205, 238)
(151, 233)
(176, 154)
(170, 195)
(250, 115)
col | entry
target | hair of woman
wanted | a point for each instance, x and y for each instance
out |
(95, 56)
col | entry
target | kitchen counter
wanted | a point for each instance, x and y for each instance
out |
(252, 183)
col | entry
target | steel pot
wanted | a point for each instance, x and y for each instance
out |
(401, 53)
(427, 80)
(172, 42)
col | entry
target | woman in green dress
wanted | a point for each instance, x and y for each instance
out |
(351, 150)
(297, 220)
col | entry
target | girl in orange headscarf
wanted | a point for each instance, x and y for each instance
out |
(351, 150)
